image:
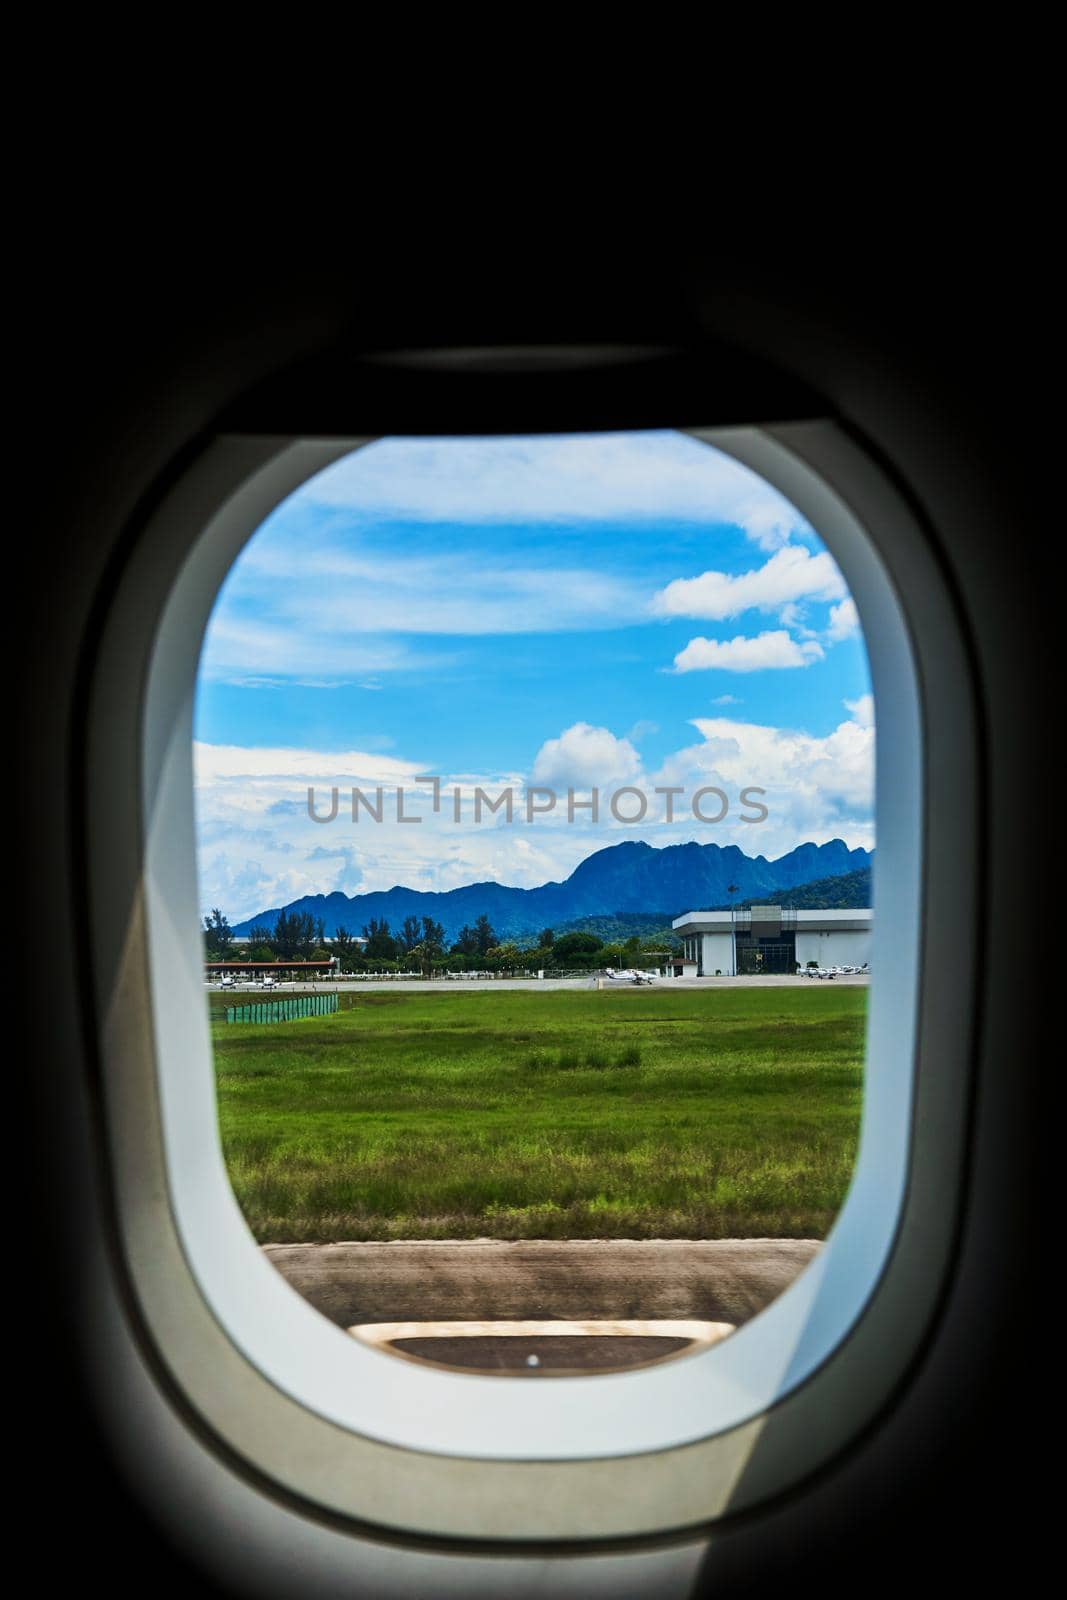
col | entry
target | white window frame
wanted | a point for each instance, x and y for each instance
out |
(623, 1455)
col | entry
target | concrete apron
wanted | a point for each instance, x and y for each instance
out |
(542, 1307)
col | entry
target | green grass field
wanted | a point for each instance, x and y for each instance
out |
(706, 1114)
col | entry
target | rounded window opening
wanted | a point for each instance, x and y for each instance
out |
(535, 815)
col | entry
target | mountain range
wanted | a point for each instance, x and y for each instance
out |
(627, 877)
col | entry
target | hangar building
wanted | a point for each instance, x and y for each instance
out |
(773, 939)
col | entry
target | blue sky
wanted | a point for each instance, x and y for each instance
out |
(574, 611)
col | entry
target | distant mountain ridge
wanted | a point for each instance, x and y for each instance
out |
(628, 877)
(851, 891)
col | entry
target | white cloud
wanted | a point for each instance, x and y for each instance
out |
(816, 788)
(316, 616)
(862, 710)
(585, 757)
(247, 867)
(746, 654)
(214, 764)
(350, 873)
(840, 764)
(569, 478)
(295, 648)
(844, 620)
(260, 849)
(311, 608)
(339, 590)
(791, 574)
(726, 700)
(244, 887)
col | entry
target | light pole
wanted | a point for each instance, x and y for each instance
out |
(731, 890)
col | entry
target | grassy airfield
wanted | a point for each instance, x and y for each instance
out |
(699, 1113)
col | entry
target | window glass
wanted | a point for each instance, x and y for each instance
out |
(535, 822)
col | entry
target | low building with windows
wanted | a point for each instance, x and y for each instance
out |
(773, 939)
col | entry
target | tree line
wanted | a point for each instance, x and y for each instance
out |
(420, 944)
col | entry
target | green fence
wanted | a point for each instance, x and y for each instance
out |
(288, 1010)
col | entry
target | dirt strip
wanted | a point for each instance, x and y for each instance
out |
(718, 1280)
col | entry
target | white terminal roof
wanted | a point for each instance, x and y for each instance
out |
(808, 921)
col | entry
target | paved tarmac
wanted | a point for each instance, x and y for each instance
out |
(536, 985)
(457, 1280)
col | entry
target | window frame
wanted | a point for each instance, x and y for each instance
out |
(140, 813)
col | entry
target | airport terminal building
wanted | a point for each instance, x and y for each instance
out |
(772, 939)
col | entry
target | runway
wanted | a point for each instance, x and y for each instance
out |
(541, 985)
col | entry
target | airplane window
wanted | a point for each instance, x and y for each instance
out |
(535, 821)
(496, 1090)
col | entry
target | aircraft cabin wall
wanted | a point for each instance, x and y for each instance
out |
(128, 389)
